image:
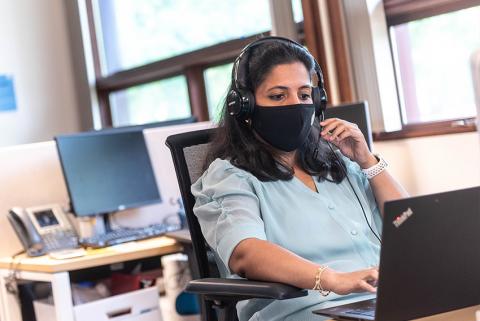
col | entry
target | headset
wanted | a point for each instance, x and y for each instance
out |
(241, 101)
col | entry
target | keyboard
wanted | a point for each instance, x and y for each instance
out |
(119, 236)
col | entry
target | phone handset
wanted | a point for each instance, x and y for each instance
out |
(26, 232)
(43, 229)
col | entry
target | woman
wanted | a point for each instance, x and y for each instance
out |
(276, 203)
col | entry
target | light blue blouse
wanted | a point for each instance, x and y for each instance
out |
(327, 227)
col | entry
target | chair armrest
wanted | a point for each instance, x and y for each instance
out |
(242, 289)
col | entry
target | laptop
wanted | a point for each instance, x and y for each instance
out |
(429, 261)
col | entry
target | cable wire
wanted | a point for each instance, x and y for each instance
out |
(354, 192)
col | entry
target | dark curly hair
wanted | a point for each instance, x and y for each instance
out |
(237, 142)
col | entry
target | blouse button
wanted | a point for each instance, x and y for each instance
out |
(331, 206)
(353, 232)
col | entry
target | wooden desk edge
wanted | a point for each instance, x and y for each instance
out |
(46, 265)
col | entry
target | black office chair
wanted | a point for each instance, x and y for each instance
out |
(218, 296)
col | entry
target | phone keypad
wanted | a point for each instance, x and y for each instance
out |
(59, 240)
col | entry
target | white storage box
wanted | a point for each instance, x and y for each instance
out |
(141, 305)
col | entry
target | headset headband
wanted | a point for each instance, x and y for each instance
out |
(270, 39)
(240, 100)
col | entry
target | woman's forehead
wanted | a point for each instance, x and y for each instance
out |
(293, 75)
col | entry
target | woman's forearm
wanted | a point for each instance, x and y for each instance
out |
(386, 188)
(261, 260)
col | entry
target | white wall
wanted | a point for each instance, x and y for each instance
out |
(434, 164)
(423, 165)
(35, 49)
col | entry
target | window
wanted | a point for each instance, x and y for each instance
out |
(217, 80)
(156, 101)
(162, 60)
(433, 58)
(297, 10)
(432, 43)
(140, 32)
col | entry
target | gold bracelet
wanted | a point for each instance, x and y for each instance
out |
(318, 281)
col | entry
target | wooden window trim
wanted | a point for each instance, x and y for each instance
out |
(173, 66)
(191, 64)
(197, 93)
(92, 30)
(429, 129)
(402, 11)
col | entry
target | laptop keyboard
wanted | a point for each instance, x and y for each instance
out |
(362, 312)
(368, 310)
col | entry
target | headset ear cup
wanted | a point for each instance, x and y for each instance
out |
(233, 103)
(249, 105)
(323, 99)
(317, 101)
(242, 103)
(319, 98)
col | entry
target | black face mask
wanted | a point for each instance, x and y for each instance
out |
(284, 127)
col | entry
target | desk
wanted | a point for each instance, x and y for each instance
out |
(57, 272)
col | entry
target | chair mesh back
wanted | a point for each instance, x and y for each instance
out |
(195, 157)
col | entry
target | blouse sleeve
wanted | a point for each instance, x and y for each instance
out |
(227, 208)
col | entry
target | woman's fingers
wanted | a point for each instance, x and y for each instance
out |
(367, 287)
(338, 129)
(344, 135)
(369, 280)
(372, 277)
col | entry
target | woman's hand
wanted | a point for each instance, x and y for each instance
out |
(349, 139)
(352, 282)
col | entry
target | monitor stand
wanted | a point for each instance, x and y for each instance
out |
(99, 226)
(89, 226)
(106, 222)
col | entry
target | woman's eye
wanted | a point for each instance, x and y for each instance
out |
(305, 96)
(276, 97)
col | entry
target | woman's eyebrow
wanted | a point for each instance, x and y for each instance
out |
(286, 88)
(278, 87)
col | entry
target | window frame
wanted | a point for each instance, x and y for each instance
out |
(191, 65)
(403, 11)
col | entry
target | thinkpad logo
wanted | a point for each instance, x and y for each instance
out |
(402, 217)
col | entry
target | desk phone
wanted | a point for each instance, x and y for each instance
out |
(43, 229)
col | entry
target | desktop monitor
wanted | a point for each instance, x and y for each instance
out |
(355, 113)
(107, 171)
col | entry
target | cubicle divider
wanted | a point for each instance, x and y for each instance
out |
(165, 175)
(31, 175)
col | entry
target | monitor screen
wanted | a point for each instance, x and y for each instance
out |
(356, 113)
(107, 171)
